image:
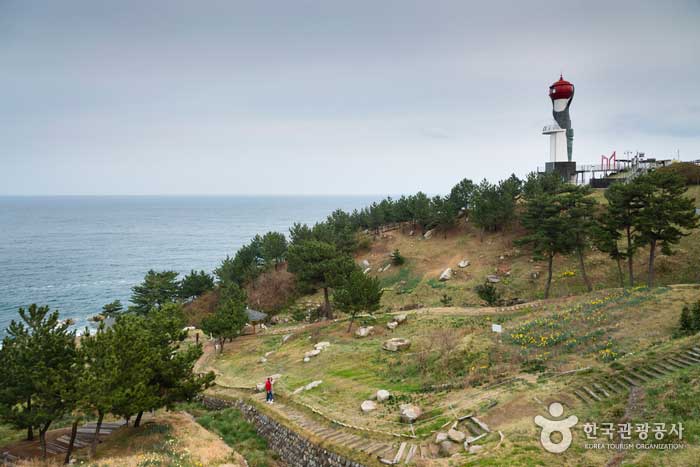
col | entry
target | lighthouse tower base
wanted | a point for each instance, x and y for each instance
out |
(567, 170)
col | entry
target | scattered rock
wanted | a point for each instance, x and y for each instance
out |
(427, 235)
(368, 406)
(263, 360)
(446, 275)
(286, 338)
(312, 353)
(365, 263)
(410, 412)
(307, 359)
(400, 319)
(260, 387)
(396, 344)
(493, 279)
(312, 385)
(392, 325)
(446, 448)
(463, 264)
(385, 268)
(322, 345)
(383, 395)
(474, 449)
(456, 435)
(440, 437)
(308, 387)
(367, 271)
(267, 354)
(534, 274)
(276, 376)
(501, 257)
(364, 331)
(411, 233)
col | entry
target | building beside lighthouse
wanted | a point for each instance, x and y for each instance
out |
(561, 135)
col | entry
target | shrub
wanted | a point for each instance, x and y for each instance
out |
(396, 258)
(689, 171)
(686, 323)
(488, 293)
(446, 300)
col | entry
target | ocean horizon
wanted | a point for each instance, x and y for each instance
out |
(77, 252)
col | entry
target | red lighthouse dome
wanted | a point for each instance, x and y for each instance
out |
(562, 89)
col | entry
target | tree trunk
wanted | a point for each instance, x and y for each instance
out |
(630, 257)
(582, 266)
(30, 428)
(42, 438)
(352, 318)
(652, 256)
(549, 275)
(137, 422)
(619, 271)
(327, 303)
(96, 439)
(71, 443)
(221, 344)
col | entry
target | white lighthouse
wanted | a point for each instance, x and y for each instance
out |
(561, 135)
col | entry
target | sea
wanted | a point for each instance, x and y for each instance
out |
(76, 253)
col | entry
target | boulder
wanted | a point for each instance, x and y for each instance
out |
(308, 387)
(440, 437)
(410, 412)
(400, 319)
(473, 449)
(365, 263)
(463, 264)
(446, 275)
(396, 344)
(263, 360)
(534, 274)
(312, 353)
(312, 385)
(322, 345)
(456, 435)
(364, 331)
(368, 406)
(411, 233)
(383, 395)
(392, 325)
(446, 448)
(267, 354)
(286, 338)
(307, 359)
(260, 387)
(428, 235)
(493, 279)
(276, 376)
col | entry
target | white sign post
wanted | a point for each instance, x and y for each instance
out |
(497, 328)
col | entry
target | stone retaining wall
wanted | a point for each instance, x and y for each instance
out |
(293, 449)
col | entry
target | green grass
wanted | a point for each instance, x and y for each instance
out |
(9, 434)
(239, 434)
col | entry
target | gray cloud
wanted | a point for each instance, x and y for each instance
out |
(330, 97)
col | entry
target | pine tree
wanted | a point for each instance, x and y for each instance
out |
(228, 320)
(319, 265)
(274, 248)
(664, 214)
(548, 229)
(156, 289)
(358, 293)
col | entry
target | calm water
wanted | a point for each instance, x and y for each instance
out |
(78, 253)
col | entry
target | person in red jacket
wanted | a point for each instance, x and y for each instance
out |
(268, 389)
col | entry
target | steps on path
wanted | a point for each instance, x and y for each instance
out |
(606, 386)
(83, 438)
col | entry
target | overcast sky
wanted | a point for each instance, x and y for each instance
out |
(330, 97)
